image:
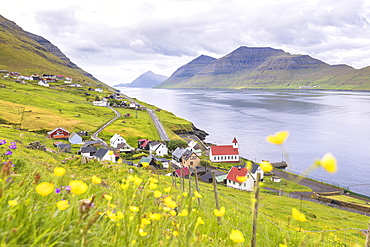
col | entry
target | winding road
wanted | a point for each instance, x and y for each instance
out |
(95, 135)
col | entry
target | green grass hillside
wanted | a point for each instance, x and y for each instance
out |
(131, 207)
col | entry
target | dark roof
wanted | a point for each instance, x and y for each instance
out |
(254, 167)
(63, 146)
(91, 143)
(101, 152)
(88, 149)
(206, 177)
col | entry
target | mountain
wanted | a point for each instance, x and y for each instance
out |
(187, 71)
(29, 53)
(148, 79)
(265, 67)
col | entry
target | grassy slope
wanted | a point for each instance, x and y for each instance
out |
(26, 223)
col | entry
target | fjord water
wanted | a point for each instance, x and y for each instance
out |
(318, 122)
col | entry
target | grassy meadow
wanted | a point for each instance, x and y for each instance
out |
(53, 199)
(118, 205)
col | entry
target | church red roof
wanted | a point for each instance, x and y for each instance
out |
(224, 150)
(236, 172)
(234, 140)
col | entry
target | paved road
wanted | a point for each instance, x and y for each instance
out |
(161, 131)
(95, 135)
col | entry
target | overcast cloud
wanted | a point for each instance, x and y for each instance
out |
(117, 40)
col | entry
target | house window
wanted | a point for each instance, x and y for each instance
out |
(191, 163)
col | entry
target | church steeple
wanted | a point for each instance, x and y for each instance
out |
(235, 143)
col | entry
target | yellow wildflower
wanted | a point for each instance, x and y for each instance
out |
(154, 216)
(59, 171)
(168, 189)
(279, 137)
(237, 236)
(112, 205)
(145, 221)
(169, 202)
(145, 164)
(184, 212)
(152, 186)
(173, 213)
(131, 218)
(108, 197)
(200, 221)
(185, 194)
(283, 245)
(175, 233)
(329, 163)
(125, 186)
(12, 203)
(96, 180)
(142, 232)
(111, 152)
(111, 215)
(298, 215)
(241, 179)
(219, 212)
(197, 194)
(120, 215)
(78, 187)
(157, 193)
(45, 188)
(137, 181)
(130, 178)
(62, 205)
(134, 209)
(153, 180)
(266, 166)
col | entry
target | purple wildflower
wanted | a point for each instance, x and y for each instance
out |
(13, 146)
(68, 188)
(8, 153)
(2, 142)
(57, 190)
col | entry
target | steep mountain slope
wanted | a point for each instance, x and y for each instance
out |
(28, 53)
(148, 79)
(264, 67)
(187, 71)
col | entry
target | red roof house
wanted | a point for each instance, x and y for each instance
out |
(58, 133)
(244, 174)
(225, 153)
(182, 172)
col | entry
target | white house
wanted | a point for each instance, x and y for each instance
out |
(105, 154)
(160, 149)
(132, 105)
(103, 102)
(43, 83)
(74, 138)
(225, 153)
(243, 172)
(118, 141)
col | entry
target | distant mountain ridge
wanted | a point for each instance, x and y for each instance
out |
(265, 67)
(30, 53)
(148, 79)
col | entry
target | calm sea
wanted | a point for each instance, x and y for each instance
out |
(318, 122)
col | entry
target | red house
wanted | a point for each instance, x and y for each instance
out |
(58, 133)
(225, 153)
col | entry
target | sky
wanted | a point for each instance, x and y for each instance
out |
(118, 40)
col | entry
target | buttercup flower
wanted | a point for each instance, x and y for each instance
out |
(185, 194)
(153, 180)
(59, 171)
(200, 221)
(283, 245)
(12, 203)
(78, 187)
(96, 180)
(45, 188)
(152, 186)
(110, 152)
(154, 216)
(157, 193)
(266, 166)
(329, 163)
(219, 212)
(184, 212)
(241, 179)
(134, 209)
(137, 181)
(197, 194)
(108, 197)
(142, 232)
(237, 236)
(125, 186)
(145, 221)
(168, 189)
(279, 137)
(145, 164)
(169, 202)
(298, 215)
(62, 205)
